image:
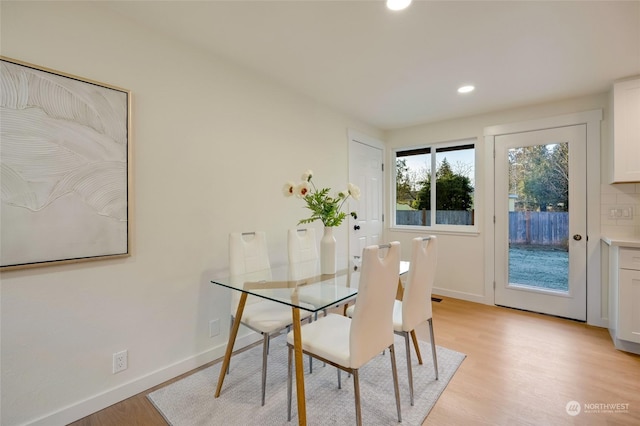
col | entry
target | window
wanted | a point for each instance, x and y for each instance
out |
(452, 168)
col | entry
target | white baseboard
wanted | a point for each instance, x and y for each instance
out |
(105, 399)
(469, 297)
(600, 322)
(624, 345)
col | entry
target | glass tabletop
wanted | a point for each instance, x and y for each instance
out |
(299, 284)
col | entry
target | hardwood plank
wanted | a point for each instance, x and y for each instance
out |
(521, 368)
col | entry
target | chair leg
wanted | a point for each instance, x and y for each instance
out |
(339, 378)
(265, 351)
(409, 371)
(394, 369)
(416, 346)
(310, 320)
(289, 371)
(356, 391)
(433, 347)
(268, 346)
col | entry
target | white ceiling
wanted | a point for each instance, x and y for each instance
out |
(396, 69)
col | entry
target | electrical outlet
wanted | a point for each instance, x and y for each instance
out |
(214, 327)
(621, 212)
(120, 361)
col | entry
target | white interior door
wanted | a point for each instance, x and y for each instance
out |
(365, 170)
(541, 242)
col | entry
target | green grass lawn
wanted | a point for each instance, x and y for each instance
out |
(539, 266)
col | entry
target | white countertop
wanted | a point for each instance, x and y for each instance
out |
(629, 241)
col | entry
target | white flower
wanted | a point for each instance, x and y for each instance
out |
(354, 191)
(323, 206)
(302, 189)
(289, 189)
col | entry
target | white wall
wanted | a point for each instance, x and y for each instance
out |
(461, 258)
(620, 196)
(213, 145)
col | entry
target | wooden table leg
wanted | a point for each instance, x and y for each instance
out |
(297, 350)
(400, 290)
(415, 345)
(232, 341)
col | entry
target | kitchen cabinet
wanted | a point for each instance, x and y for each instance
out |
(624, 298)
(626, 131)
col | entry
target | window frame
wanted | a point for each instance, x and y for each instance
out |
(432, 150)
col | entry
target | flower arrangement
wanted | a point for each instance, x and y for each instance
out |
(323, 207)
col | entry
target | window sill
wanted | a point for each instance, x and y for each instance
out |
(470, 231)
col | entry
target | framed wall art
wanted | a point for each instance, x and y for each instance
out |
(65, 163)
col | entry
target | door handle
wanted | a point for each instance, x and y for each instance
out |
(577, 237)
(356, 227)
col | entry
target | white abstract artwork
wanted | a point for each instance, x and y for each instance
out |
(64, 159)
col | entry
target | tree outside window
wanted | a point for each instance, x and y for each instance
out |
(539, 177)
(453, 192)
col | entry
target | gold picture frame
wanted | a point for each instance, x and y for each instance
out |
(66, 169)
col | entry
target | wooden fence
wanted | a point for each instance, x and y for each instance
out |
(537, 228)
(443, 217)
(543, 228)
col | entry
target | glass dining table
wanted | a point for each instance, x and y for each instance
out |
(300, 286)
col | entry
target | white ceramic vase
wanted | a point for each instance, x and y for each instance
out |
(328, 256)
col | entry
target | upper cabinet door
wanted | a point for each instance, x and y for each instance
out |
(626, 131)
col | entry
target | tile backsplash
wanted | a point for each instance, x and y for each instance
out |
(620, 209)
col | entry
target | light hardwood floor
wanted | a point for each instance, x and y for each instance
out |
(521, 369)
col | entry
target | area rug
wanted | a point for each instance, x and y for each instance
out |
(190, 401)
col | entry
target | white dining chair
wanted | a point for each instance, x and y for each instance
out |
(302, 250)
(415, 307)
(248, 253)
(302, 245)
(349, 343)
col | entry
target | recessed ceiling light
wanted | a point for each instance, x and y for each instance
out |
(466, 89)
(398, 4)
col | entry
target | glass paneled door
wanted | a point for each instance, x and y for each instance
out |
(540, 205)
